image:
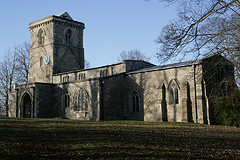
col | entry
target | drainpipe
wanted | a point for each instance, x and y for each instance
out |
(195, 91)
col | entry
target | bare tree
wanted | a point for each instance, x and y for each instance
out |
(23, 56)
(200, 28)
(132, 55)
(7, 77)
(14, 67)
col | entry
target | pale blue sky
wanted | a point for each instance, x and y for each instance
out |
(112, 26)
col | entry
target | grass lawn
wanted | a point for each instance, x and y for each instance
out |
(73, 139)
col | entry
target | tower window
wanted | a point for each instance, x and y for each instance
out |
(41, 61)
(68, 36)
(40, 37)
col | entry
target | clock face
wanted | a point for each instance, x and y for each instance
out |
(46, 59)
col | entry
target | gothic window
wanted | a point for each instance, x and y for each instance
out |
(81, 100)
(68, 36)
(66, 100)
(40, 37)
(134, 102)
(173, 93)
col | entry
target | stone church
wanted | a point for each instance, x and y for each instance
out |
(59, 85)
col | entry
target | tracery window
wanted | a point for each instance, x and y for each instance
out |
(81, 100)
(68, 36)
(40, 37)
(173, 93)
(134, 102)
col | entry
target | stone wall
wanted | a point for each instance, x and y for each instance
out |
(12, 110)
(40, 72)
(89, 73)
(16, 108)
(44, 101)
(68, 56)
(92, 88)
(152, 83)
(130, 86)
(104, 71)
(113, 96)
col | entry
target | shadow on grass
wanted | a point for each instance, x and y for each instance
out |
(72, 139)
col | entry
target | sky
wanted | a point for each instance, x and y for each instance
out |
(111, 26)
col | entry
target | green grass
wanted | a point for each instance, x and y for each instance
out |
(73, 139)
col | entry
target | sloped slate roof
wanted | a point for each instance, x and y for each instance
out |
(64, 15)
(168, 66)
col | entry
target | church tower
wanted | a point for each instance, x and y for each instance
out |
(56, 47)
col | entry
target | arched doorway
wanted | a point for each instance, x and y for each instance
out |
(26, 106)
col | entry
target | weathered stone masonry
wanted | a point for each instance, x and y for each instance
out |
(59, 86)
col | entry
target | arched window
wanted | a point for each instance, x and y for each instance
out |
(134, 102)
(173, 92)
(68, 36)
(66, 100)
(81, 100)
(40, 37)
